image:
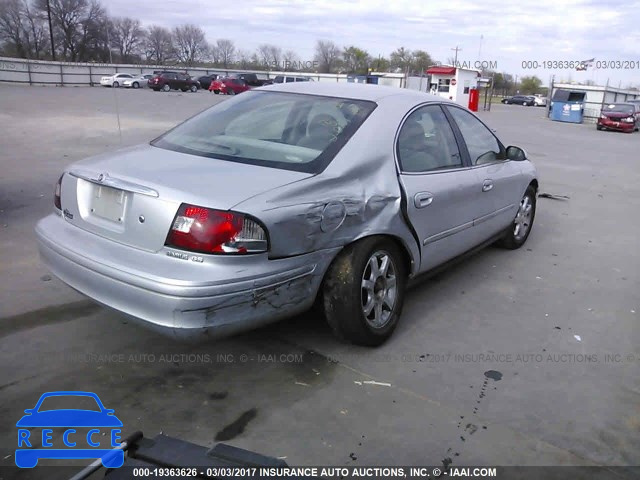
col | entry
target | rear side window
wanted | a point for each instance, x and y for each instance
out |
(426, 142)
(274, 129)
(482, 145)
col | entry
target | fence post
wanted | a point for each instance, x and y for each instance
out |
(61, 76)
(90, 76)
(29, 72)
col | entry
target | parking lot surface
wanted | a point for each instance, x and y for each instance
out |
(526, 357)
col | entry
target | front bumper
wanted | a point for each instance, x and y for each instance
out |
(616, 125)
(217, 298)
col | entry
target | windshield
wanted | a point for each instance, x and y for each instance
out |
(619, 108)
(66, 402)
(272, 129)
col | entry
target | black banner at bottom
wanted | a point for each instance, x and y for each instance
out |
(363, 472)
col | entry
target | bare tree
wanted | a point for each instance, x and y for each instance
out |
(327, 55)
(356, 60)
(12, 27)
(226, 51)
(401, 59)
(290, 60)
(36, 32)
(126, 35)
(80, 27)
(270, 56)
(190, 44)
(158, 45)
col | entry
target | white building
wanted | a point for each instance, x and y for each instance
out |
(452, 83)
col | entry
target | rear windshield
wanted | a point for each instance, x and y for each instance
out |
(619, 108)
(272, 129)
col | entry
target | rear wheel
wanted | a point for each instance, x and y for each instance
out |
(518, 232)
(598, 127)
(363, 291)
(230, 91)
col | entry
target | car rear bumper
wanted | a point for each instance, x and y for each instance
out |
(220, 297)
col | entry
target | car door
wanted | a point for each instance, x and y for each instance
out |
(500, 179)
(438, 184)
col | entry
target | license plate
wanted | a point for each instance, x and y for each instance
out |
(108, 203)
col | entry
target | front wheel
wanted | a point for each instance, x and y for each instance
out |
(136, 85)
(217, 92)
(363, 291)
(230, 91)
(194, 89)
(166, 87)
(116, 84)
(517, 233)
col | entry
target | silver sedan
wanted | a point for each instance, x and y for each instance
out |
(251, 211)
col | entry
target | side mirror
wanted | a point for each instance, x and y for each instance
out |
(516, 153)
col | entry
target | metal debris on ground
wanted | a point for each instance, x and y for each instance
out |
(553, 196)
(373, 382)
(577, 337)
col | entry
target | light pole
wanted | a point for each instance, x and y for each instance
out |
(53, 50)
(455, 61)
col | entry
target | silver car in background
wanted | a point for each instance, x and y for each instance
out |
(139, 81)
(291, 194)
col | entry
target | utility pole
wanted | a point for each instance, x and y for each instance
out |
(53, 49)
(455, 62)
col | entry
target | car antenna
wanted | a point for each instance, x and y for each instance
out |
(115, 96)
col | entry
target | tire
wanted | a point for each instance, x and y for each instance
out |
(598, 127)
(230, 91)
(345, 298)
(116, 84)
(524, 104)
(514, 236)
(135, 85)
(217, 92)
(194, 88)
(166, 87)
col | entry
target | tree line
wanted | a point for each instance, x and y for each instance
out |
(82, 31)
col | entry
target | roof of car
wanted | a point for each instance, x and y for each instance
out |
(356, 91)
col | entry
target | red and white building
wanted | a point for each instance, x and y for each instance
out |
(452, 83)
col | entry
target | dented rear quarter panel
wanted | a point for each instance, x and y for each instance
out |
(356, 196)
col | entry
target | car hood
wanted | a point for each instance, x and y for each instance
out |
(182, 177)
(617, 114)
(69, 418)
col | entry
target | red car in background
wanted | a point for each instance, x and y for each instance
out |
(229, 85)
(618, 116)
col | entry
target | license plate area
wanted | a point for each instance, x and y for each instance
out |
(108, 203)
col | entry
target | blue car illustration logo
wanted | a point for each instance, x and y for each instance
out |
(86, 434)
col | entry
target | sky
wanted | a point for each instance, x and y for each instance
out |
(486, 31)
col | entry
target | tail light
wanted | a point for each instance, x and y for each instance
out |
(205, 230)
(57, 193)
(222, 85)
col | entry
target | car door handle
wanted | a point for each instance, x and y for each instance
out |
(422, 199)
(487, 185)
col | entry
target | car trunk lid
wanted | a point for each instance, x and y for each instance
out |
(132, 196)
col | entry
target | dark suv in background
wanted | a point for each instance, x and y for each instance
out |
(166, 81)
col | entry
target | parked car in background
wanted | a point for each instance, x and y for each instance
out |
(539, 100)
(290, 79)
(137, 81)
(229, 86)
(205, 80)
(252, 79)
(174, 81)
(262, 205)
(618, 116)
(527, 100)
(115, 80)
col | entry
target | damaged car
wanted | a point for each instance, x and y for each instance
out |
(286, 196)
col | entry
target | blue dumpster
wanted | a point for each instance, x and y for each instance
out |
(567, 106)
